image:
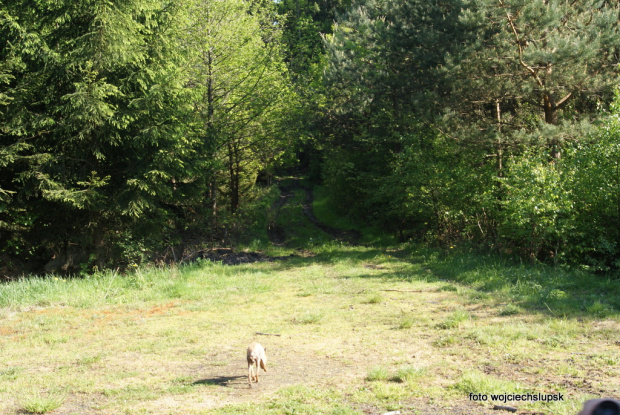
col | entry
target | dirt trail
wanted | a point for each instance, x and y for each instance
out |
(277, 234)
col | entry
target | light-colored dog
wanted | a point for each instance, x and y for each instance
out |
(256, 357)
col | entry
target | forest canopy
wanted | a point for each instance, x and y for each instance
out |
(129, 126)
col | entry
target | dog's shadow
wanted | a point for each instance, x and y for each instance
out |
(226, 381)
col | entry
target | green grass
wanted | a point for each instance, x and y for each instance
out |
(557, 291)
(454, 320)
(360, 329)
(406, 322)
(375, 298)
(308, 317)
(35, 403)
(299, 232)
(378, 373)
(475, 382)
(410, 374)
(160, 340)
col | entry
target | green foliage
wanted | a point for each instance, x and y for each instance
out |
(241, 96)
(304, 23)
(125, 125)
(91, 129)
(114, 130)
(488, 135)
(567, 210)
(593, 182)
(527, 63)
(537, 206)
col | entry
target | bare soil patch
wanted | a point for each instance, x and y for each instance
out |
(229, 256)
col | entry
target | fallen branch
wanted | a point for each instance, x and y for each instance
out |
(267, 334)
(505, 408)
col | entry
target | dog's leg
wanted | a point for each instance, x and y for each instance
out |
(256, 368)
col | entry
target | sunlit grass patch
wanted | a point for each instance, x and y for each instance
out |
(347, 336)
(410, 374)
(445, 341)
(378, 373)
(306, 400)
(454, 320)
(375, 298)
(11, 373)
(406, 322)
(35, 402)
(89, 360)
(476, 382)
(309, 317)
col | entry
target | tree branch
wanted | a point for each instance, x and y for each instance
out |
(531, 70)
(563, 101)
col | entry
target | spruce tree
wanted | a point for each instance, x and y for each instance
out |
(89, 124)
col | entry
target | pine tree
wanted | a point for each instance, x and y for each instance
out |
(527, 61)
(305, 21)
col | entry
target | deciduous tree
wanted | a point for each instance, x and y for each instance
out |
(241, 92)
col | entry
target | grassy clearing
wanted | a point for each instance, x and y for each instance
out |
(362, 330)
(35, 403)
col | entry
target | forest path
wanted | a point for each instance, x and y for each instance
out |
(278, 232)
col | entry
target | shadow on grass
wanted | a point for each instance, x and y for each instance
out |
(555, 291)
(353, 256)
(220, 380)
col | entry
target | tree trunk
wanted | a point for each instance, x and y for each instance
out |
(551, 108)
(213, 196)
(237, 195)
(233, 181)
(551, 117)
(209, 127)
(500, 147)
